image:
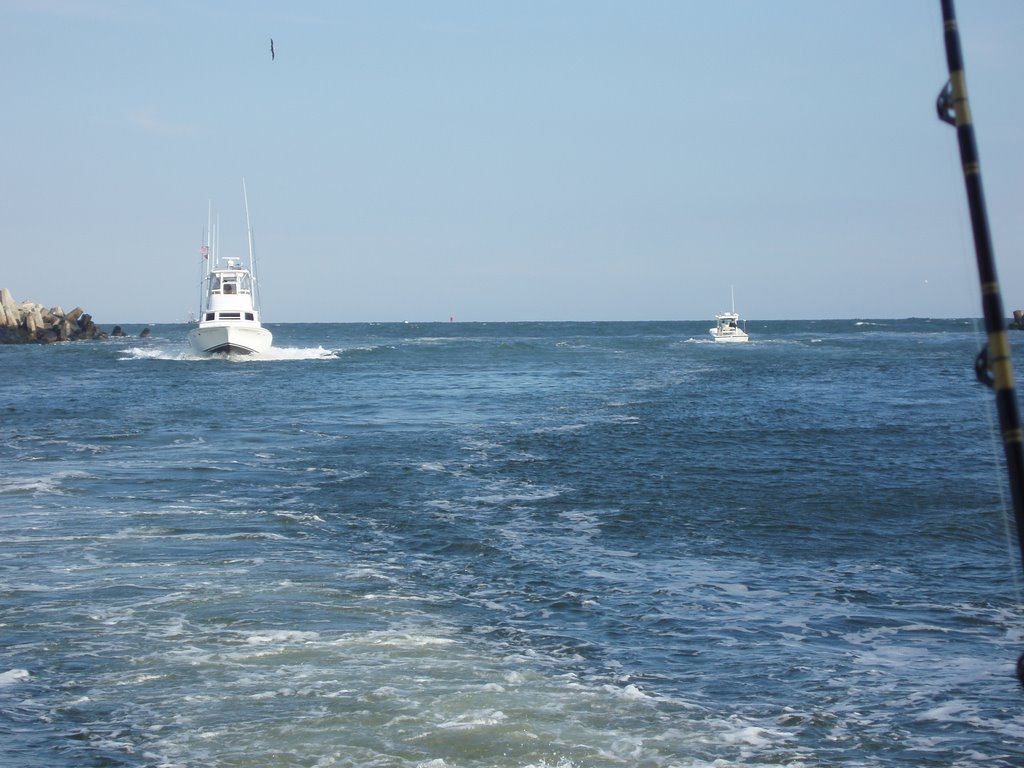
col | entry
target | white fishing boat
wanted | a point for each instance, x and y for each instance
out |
(727, 327)
(229, 316)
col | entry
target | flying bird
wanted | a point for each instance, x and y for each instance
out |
(271, 49)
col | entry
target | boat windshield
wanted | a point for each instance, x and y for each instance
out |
(229, 284)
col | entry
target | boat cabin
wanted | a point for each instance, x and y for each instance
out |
(228, 282)
(231, 294)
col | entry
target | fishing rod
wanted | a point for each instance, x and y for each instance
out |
(994, 365)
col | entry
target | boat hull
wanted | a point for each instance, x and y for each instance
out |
(730, 338)
(227, 339)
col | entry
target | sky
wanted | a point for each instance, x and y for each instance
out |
(500, 160)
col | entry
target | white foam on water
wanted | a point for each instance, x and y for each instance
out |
(39, 486)
(475, 719)
(561, 429)
(950, 712)
(282, 637)
(299, 353)
(243, 536)
(14, 676)
(752, 736)
(423, 692)
(272, 355)
(434, 340)
(157, 353)
(631, 692)
(504, 492)
(298, 517)
(50, 484)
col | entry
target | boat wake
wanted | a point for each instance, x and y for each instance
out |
(271, 355)
(297, 353)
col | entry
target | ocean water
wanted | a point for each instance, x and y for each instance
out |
(544, 545)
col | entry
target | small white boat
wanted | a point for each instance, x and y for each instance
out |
(229, 317)
(727, 327)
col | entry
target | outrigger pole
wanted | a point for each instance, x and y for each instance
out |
(202, 272)
(207, 260)
(994, 365)
(252, 249)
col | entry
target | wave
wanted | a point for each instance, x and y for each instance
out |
(275, 354)
(13, 676)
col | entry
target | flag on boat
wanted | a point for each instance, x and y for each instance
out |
(205, 251)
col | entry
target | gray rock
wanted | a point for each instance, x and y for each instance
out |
(29, 322)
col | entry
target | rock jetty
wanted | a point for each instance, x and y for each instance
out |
(28, 323)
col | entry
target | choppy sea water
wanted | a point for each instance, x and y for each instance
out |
(554, 545)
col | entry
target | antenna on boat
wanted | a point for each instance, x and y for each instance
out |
(209, 231)
(206, 252)
(994, 364)
(204, 249)
(732, 295)
(252, 249)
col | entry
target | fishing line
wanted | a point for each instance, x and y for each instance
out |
(967, 264)
(995, 363)
(956, 213)
(1004, 505)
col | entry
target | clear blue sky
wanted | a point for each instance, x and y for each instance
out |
(528, 160)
